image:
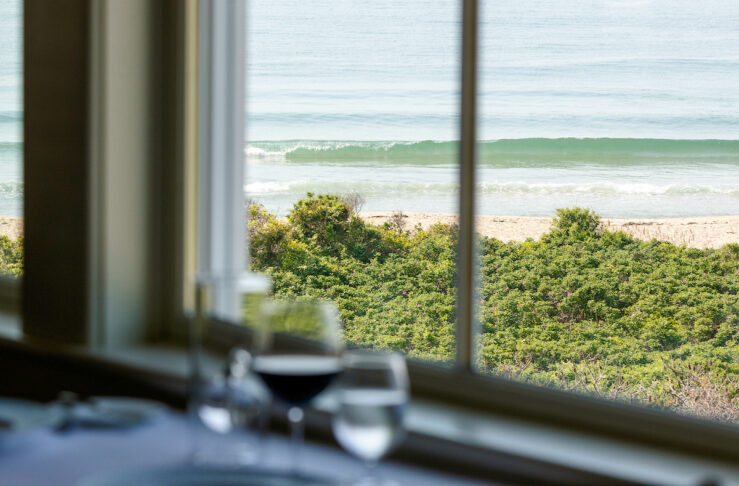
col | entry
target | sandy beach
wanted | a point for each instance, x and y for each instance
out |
(11, 227)
(699, 232)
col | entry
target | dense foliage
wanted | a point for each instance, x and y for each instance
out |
(11, 257)
(582, 308)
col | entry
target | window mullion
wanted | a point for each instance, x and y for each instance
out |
(467, 154)
(221, 223)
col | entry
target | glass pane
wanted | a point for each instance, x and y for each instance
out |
(11, 133)
(609, 189)
(352, 118)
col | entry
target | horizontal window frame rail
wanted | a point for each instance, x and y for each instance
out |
(656, 426)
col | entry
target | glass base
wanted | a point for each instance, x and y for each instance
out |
(375, 481)
(236, 458)
(228, 451)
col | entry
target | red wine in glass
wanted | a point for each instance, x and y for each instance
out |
(297, 351)
(297, 379)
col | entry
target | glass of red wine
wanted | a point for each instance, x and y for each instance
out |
(297, 353)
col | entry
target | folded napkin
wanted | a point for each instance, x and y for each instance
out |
(108, 412)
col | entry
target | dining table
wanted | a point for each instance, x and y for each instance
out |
(61, 456)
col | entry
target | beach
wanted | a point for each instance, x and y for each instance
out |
(11, 227)
(696, 232)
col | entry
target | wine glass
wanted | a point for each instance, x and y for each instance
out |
(297, 351)
(225, 397)
(372, 394)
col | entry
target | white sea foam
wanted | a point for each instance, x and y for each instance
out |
(280, 149)
(605, 188)
(11, 190)
(259, 188)
(300, 187)
(255, 152)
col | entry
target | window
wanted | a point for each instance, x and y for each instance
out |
(326, 107)
(350, 102)
(352, 128)
(65, 315)
(11, 143)
(627, 111)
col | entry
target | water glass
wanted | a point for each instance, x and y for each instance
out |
(225, 398)
(372, 394)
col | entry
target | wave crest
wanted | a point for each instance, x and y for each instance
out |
(11, 190)
(504, 152)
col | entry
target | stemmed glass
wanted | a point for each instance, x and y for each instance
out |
(373, 392)
(297, 351)
(225, 397)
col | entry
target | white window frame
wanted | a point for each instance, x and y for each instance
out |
(221, 230)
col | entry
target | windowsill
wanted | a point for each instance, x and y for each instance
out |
(565, 448)
(477, 440)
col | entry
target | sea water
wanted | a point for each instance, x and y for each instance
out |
(11, 108)
(531, 177)
(629, 107)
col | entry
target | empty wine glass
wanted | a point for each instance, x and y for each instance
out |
(373, 393)
(297, 356)
(225, 396)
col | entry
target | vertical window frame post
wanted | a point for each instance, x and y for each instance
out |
(466, 318)
(221, 216)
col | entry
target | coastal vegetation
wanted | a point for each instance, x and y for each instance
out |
(11, 257)
(582, 308)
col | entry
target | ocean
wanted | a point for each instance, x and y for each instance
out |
(628, 107)
(11, 109)
(522, 177)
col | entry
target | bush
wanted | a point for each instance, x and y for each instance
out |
(11, 257)
(268, 237)
(575, 223)
(325, 219)
(582, 309)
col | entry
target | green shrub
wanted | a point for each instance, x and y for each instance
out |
(268, 237)
(574, 223)
(324, 219)
(582, 309)
(11, 257)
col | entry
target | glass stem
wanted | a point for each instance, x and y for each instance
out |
(295, 415)
(195, 449)
(370, 473)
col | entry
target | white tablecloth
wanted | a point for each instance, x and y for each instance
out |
(49, 458)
